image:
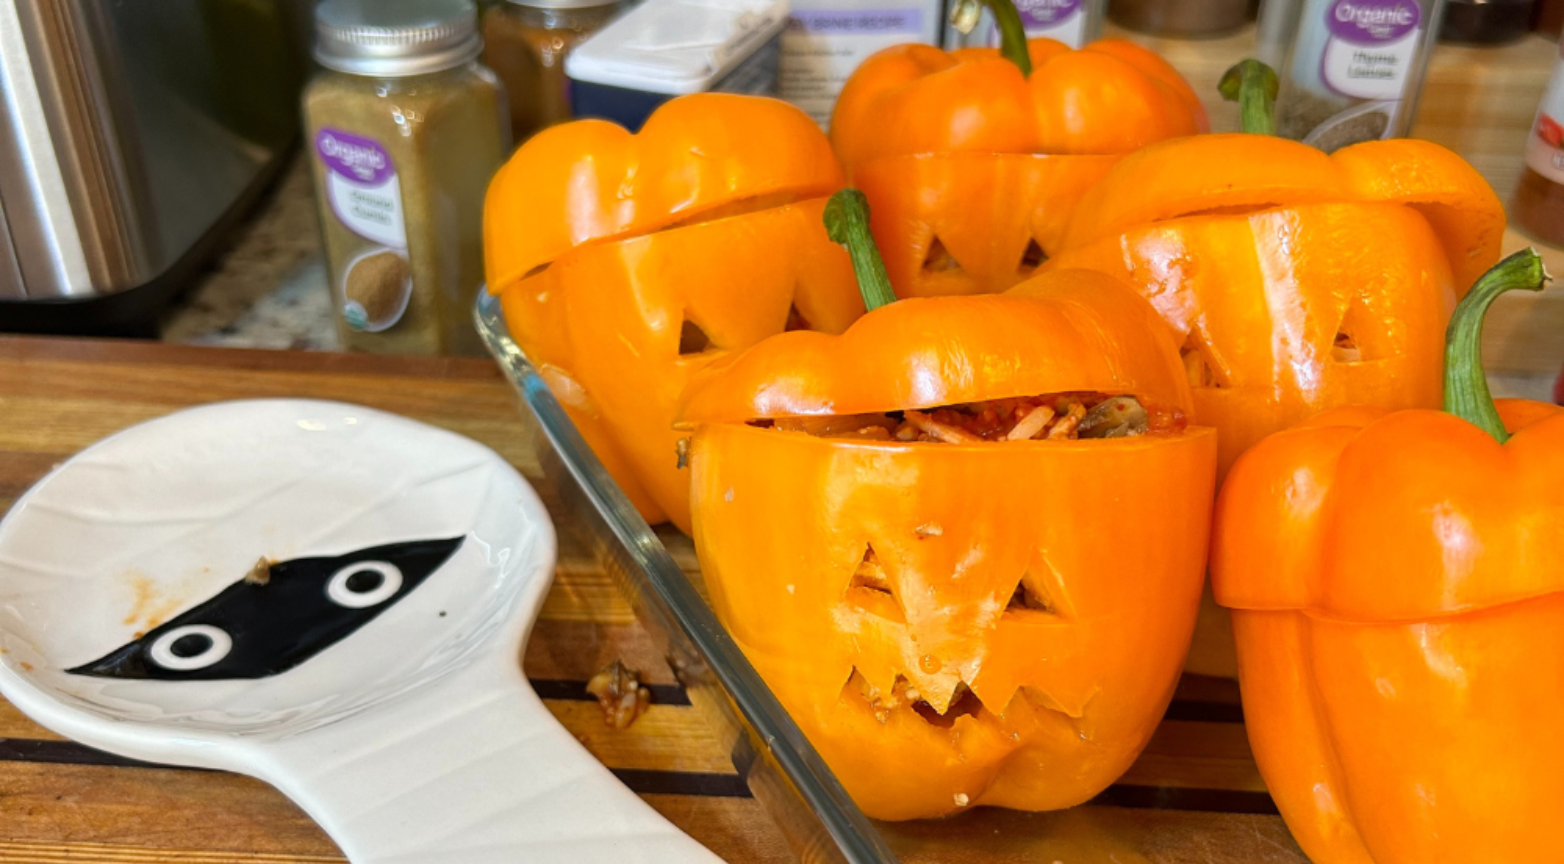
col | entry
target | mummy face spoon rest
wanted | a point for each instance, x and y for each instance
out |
(326, 597)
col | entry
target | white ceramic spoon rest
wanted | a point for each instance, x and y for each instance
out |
(371, 672)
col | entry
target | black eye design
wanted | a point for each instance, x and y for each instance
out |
(193, 646)
(256, 628)
(364, 584)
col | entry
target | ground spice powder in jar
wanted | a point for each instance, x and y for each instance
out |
(405, 128)
(1538, 206)
(1351, 70)
(526, 43)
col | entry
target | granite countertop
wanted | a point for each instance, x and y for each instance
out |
(268, 288)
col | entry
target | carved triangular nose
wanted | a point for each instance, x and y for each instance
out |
(1201, 363)
(1032, 258)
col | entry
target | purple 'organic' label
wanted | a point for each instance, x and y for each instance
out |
(1046, 13)
(857, 20)
(358, 159)
(1370, 22)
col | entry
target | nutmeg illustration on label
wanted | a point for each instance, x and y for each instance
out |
(375, 290)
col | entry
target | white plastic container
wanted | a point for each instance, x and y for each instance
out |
(667, 48)
(827, 39)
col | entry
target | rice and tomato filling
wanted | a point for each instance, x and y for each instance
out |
(1051, 417)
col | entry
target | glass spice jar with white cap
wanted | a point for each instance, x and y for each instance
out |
(405, 128)
(526, 43)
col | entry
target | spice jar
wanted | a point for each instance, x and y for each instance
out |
(1486, 22)
(1538, 206)
(1182, 19)
(526, 43)
(1351, 70)
(405, 129)
(1548, 18)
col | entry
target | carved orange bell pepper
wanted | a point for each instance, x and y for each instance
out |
(1036, 96)
(695, 158)
(1294, 281)
(972, 160)
(972, 223)
(989, 620)
(1397, 587)
(625, 262)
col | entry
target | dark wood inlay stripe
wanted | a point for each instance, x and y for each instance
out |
(1179, 798)
(1205, 712)
(704, 784)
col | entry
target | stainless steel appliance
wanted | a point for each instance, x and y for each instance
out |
(132, 134)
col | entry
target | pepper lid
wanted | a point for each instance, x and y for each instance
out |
(395, 38)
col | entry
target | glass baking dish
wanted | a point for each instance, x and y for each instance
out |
(1195, 794)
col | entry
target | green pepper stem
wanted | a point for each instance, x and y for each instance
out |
(1012, 32)
(847, 223)
(1254, 86)
(1466, 387)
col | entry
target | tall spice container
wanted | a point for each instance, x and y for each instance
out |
(1538, 205)
(405, 128)
(1351, 70)
(526, 43)
(1182, 19)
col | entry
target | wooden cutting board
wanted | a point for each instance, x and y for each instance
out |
(1195, 795)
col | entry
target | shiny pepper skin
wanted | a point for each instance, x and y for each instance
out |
(1034, 708)
(1395, 581)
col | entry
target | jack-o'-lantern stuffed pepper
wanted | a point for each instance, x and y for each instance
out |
(625, 262)
(1295, 281)
(973, 159)
(963, 542)
(1397, 588)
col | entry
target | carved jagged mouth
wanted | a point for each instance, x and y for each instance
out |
(871, 591)
(938, 261)
(694, 340)
(903, 696)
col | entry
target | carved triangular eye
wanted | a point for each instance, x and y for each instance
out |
(1199, 365)
(939, 259)
(1024, 599)
(1040, 590)
(692, 339)
(870, 574)
(796, 320)
(870, 590)
(1359, 337)
(1032, 258)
